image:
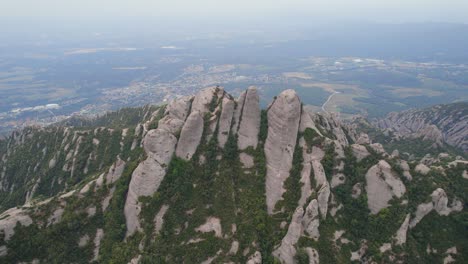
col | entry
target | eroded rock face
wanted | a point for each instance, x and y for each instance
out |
(190, 136)
(286, 251)
(159, 145)
(249, 124)
(283, 124)
(382, 185)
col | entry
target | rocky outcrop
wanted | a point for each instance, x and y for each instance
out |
(190, 136)
(310, 220)
(10, 218)
(249, 120)
(313, 255)
(212, 224)
(204, 97)
(283, 124)
(175, 114)
(421, 211)
(439, 203)
(287, 250)
(382, 185)
(115, 171)
(246, 160)
(159, 218)
(400, 236)
(421, 168)
(322, 187)
(159, 146)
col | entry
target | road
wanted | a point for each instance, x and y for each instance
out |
(328, 100)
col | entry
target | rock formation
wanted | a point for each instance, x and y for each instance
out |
(249, 120)
(283, 124)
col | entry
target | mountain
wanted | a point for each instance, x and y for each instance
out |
(441, 124)
(214, 179)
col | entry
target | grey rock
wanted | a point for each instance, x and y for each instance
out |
(246, 160)
(249, 125)
(190, 136)
(421, 168)
(400, 236)
(159, 145)
(359, 151)
(9, 220)
(283, 125)
(287, 250)
(382, 185)
(225, 120)
(313, 254)
(310, 220)
(421, 211)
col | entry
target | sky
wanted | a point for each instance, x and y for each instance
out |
(393, 11)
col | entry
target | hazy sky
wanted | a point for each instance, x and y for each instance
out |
(369, 10)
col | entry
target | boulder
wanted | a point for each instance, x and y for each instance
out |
(249, 125)
(283, 124)
(190, 136)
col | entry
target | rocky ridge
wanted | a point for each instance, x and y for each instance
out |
(209, 178)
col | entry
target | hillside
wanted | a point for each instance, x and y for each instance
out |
(214, 179)
(441, 124)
